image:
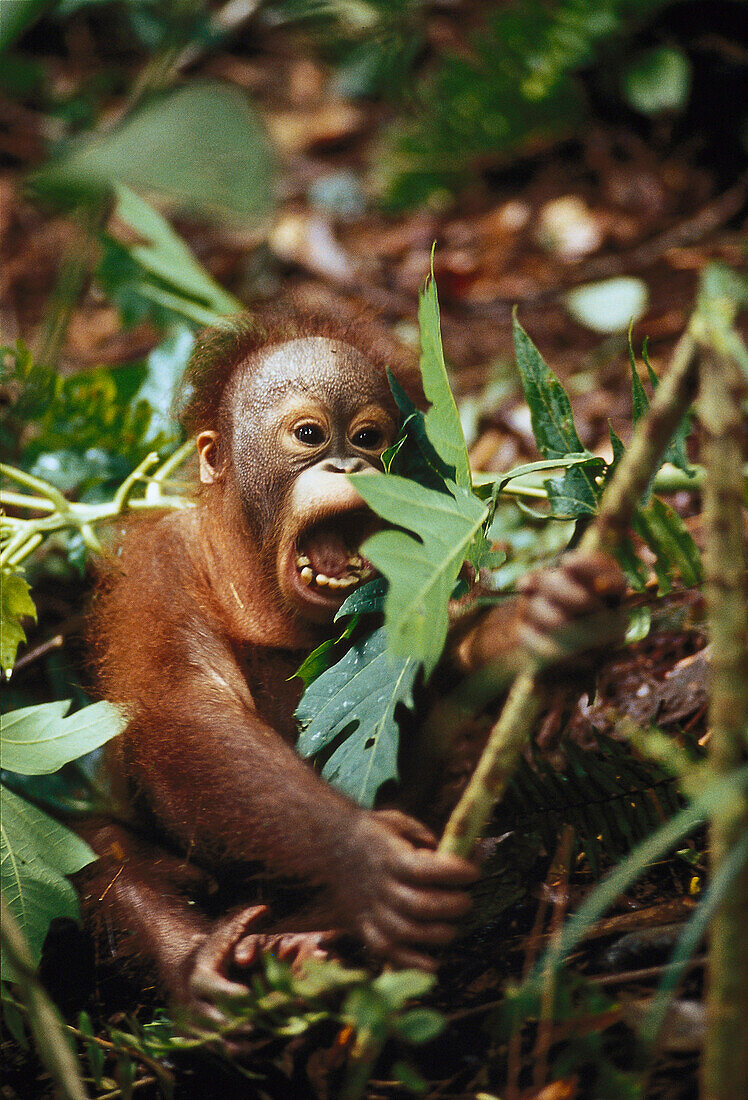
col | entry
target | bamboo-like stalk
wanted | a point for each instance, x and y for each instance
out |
(725, 1073)
(636, 468)
(50, 1034)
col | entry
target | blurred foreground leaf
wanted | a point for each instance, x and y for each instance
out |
(201, 147)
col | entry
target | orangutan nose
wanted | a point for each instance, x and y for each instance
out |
(352, 465)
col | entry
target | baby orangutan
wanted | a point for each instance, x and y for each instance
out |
(200, 624)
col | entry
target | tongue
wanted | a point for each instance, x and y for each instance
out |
(327, 552)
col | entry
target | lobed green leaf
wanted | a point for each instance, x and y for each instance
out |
(358, 697)
(39, 740)
(15, 605)
(422, 570)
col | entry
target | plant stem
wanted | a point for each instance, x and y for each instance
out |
(722, 391)
(510, 733)
(48, 1029)
(26, 534)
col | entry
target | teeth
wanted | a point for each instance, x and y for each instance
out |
(357, 571)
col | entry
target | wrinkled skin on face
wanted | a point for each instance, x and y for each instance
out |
(302, 416)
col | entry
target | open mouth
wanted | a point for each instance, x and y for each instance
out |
(327, 562)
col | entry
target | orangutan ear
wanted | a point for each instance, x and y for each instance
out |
(210, 465)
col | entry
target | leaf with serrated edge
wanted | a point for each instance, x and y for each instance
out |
(362, 690)
(36, 853)
(443, 425)
(15, 604)
(421, 574)
(38, 740)
(552, 420)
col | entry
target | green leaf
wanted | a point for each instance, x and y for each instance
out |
(398, 987)
(639, 399)
(420, 1025)
(38, 740)
(15, 605)
(165, 254)
(16, 1024)
(443, 425)
(36, 853)
(550, 409)
(667, 536)
(164, 369)
(94, 1053)
(565, 463)
(553, 426)
(676, 452)
(421, 574)
(17, 16)
(324, 656)
(201, 146)
(658, 80)
(358, 697)
(572, 495)
(409, 1077)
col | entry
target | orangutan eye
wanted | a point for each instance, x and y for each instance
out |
(368, 439)
(310, 434)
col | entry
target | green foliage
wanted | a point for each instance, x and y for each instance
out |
(37, 852)
(351, 711)
(578, 492)
(17, 18)
(15, 605)
(584, 1052)
(373, 42)
(442, 422)
(517, 89)
(348, 712)
(87, 430)
(374, 1008)
(199, 146)
(658, 80)
(422, 571)
(158, 273)
(38, 740)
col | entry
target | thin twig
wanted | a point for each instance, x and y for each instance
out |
(510, 733)
(720, 403)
